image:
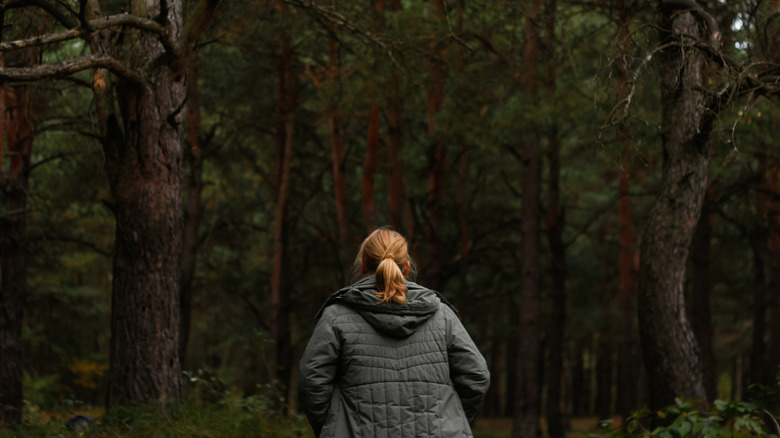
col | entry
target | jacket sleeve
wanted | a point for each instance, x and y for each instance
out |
(317, 371)
(468, 369)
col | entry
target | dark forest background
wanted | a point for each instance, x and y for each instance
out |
(593, 184)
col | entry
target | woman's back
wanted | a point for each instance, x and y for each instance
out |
(394, 367)
(397, 364)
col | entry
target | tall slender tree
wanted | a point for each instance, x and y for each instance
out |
(18, 124)
(554, 225)
(527, 409)
(671, 353)
(627, 372)
(280, 357)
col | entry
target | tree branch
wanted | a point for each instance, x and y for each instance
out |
(40, 40)
(93, 25)
(67, 19)
(67, 67)
(712, 24)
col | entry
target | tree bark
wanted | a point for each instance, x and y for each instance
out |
(145, 179)
(372, 137)
(671, 354)
(627, 400)
(395, 184)
(604, 375)
(701, 316)
(527, 404)
(337, 152)
(773, 357)
(18, 129)
(192, 209)
(556, 422)
(280, 354)
(369, 167)
(580, 386)
(437, 158)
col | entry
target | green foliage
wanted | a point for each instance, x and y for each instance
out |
(228, 418)
(723, 419)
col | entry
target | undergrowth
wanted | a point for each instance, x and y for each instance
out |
(245, 417)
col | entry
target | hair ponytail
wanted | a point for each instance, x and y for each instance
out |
(385, 253)
(390, 282)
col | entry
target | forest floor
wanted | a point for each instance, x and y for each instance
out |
(502, 427)
(220, 421)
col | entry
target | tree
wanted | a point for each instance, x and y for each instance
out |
(527, 405)
(16, 127)
(689, 35)
(672, 356)
(143, 146)
(280, 357)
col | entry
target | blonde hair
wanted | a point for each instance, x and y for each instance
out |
(385, 253)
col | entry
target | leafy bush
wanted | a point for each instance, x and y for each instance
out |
(724, 419)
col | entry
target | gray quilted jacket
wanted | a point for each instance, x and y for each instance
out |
(390, 370)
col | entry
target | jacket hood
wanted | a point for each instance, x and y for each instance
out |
(392, 319)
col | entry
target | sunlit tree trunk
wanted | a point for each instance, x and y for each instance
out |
(670, 351)
(18, 129)
(527, 409)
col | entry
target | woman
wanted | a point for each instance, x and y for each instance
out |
(388, 357)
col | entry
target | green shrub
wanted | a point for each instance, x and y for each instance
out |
(724, 419)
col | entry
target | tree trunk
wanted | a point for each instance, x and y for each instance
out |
(192, 209)
(145, 177)
(280, 357)
(604, 375)
(395, 185)
(369, 167)
(18, 129)
(527, 405)
(372, 137)
(671, 354)
(437, 159)
(556, 422)
(773, 357)
(337, 150)
(580, 386)
(628, 374)
(701, 318)
(493, 398)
